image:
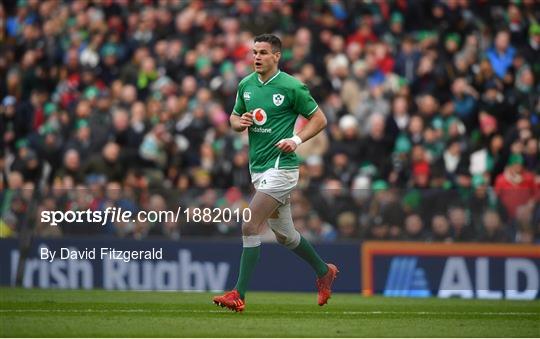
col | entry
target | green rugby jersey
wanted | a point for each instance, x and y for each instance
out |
(275, 105)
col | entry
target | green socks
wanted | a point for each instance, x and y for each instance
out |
(305, 251)
(250, 257)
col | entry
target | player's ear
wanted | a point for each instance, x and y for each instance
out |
(277, 55)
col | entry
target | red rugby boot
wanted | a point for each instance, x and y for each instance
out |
(324, 284)
(231, 300)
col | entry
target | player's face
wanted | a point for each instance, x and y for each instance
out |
(264, 60)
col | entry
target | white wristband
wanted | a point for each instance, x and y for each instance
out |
(296, 140)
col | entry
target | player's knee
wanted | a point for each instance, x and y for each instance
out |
(290, 239)
(293, 240)
(281, 238)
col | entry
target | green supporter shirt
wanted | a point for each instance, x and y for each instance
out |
(275, 105)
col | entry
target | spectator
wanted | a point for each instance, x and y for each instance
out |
(108, 163)
(501, 54)
(81, 140)
(377, 146)
(493, 230)
(347, 138)
(407, 60)
(8, 226)
(333, 194)
(314, 172)
(530, 156)
(398, 121)
(461, 229)
(464, 100)
(515, 187)
(347, 225)
(114, 199)
(15, 120)
(440, 229)
(414, 228)
(72, 166)
(378, 229)
(153, 146)
(321, 231)
(27, 162)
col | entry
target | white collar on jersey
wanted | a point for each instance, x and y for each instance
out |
(267, 81)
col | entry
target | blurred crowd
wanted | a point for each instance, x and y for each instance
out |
(433, 110)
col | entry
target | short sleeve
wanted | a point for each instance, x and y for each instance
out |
(239, 105)
(304, 103)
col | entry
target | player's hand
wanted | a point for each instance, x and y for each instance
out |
(246, 120)
(286, 145)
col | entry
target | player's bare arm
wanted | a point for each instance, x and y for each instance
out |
(240, 123)
(317, 123)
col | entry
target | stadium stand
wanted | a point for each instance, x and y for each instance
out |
(433, 110)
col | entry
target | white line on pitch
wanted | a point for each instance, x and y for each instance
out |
(271, 312)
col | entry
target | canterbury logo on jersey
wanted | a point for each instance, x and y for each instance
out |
(247, 96)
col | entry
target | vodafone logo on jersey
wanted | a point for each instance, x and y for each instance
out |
(259, 116)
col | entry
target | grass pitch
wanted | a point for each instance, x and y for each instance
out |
(61, 313)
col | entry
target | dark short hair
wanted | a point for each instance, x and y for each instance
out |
(273, 40)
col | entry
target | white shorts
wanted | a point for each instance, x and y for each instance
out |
(277, 183)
